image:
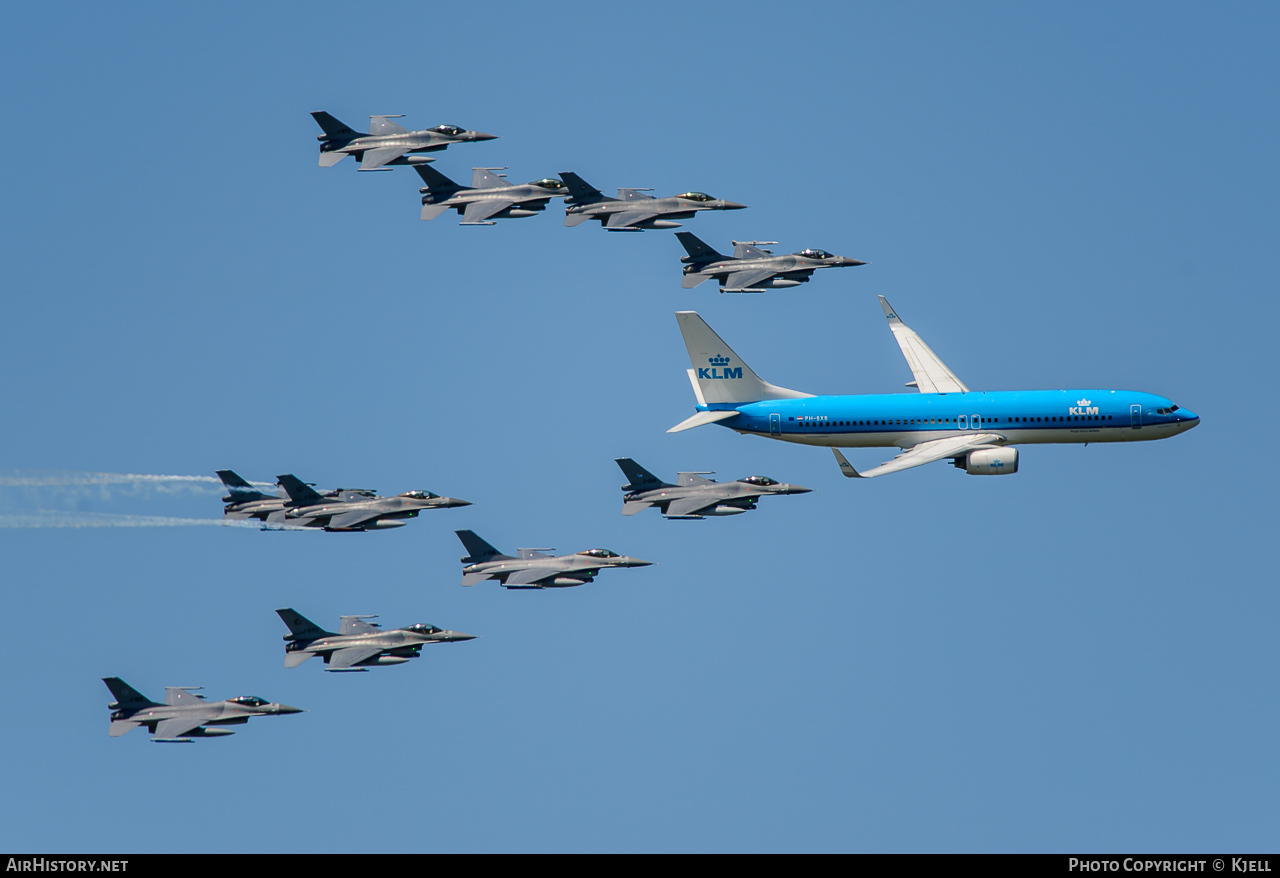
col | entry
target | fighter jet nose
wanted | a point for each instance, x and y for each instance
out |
(733, 205)
(796, 489)
(458, 636)
(284, 708)
(455, 503)
(847, 261)
(636, 562)
(480, 135)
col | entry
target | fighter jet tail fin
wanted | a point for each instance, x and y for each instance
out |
(435, 181)
(639, 478)
(580, 191)
(300, 627)
(125, 695)
(479, 551)
(719, 374)
(332, 128)
(238, 488)
(298, 490)
(699, 250)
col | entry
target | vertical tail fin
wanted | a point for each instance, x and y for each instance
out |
(300, 627)
(479, 550)
(434, 180)
(580, 191)
(718, 372)
(332, 128)
(699, 250)
(639, 478)
(298, 490)
(125, 695)
(238, 488)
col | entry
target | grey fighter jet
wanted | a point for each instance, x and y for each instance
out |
(184, 714)
(352, 510)
(245, 500)
(533, 568)
(386, 143)
(751, 269)
(632, 210)
(693, 497)
(490, 196)
(358, 645)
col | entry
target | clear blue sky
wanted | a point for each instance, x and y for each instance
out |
(1079, 657)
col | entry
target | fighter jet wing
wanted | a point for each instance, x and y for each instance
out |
(356, 625)
(382, 126)
(925, 452)
(931, 374)
(352, 519)
(485, 178)
(688, 506)
(376, 158)
(629, 218)
(531, 576)
(742, 280)
(178, 726)
(479, 211)
(352, 656)
(633, 195)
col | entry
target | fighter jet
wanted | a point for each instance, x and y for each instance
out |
(751, 269)
(693, 497)
(352, 510)
(358, 645)
(489, 197)
(184, 715)
(632, 210)
(245, 500)
(532, 568)
(386, 143)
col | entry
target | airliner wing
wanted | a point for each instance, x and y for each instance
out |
(931, 374)
(925, 452)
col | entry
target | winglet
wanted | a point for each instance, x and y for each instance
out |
(845, 466)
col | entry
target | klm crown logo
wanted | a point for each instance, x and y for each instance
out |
(1082, 402)
(718, 369)
(1082, 407)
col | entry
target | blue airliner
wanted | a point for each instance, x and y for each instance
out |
(946, 420)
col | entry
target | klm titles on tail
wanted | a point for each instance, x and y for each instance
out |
(976, 430)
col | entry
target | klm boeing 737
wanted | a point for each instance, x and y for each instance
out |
(946, 420)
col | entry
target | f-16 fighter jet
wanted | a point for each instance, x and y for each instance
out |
(693, 497)
(489, 197)
(352, 510)
(632, 210)
(751, 269)
(245, 500)
(184, 715)
(358, 645)
(532, 568)
(386, 143)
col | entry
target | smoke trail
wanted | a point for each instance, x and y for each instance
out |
(61, 478)
(60, 519)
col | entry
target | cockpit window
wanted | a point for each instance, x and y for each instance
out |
(814, 254)
(249, 700)
(449, 130)
(695, 196)
(548, 183)
(763, 481)
(600, 553)
(422, 628)
(419, 495)
(1174, 409)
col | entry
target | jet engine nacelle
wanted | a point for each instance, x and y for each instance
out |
(725, 510)
(991, 462)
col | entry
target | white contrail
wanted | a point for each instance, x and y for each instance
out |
(110, 519)
(50, 479)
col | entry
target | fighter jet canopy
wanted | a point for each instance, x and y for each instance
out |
(762, 481)
(600, 553)
(249, 700)
(419, 495)
(695, 196)
(814, 254)
(448, 130)
(422, 628)
(548, 183)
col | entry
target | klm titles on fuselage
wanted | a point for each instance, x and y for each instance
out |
(719, 369)
(1082, 407)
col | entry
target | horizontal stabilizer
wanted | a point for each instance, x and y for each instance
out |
(431, 211)
(575, 219)
(631, 507)
(121, 726)
(700, 419)
(293, 659)
(329, 159)
(474, 578)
